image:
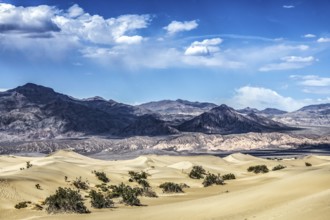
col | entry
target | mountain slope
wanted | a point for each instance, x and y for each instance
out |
(39, 112)
(312, 115)
(225, 120)
(177, 111)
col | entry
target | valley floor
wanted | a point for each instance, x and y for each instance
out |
(296, 192)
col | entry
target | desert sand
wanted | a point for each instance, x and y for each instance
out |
(296, 192)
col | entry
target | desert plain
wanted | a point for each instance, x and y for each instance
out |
(296, 192)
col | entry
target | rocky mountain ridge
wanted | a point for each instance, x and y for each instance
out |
(37, 112)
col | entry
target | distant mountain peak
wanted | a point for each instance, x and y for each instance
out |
(273, 111)
(95, 98)
(33, 87)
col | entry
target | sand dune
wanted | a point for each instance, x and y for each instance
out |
(296, 192)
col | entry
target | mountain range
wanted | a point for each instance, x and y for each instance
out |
(36, 112)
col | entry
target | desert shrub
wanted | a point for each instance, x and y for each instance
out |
(148, 192)
(144, 183)
(101, 176)
(169, 187)
(197, 172)
(65, 200)
(104, 188)
(229, 176)
(128, 194)
(211, 179)
(37, 207)
(278, 167)
(135, 176)
(38, 186)
(79, 184)
(99, 201)
(140, 178)
(28, 165)
(183, 185)
(308, 164)
(258, 169)
(22, 205)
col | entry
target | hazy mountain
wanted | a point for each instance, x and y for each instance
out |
(177, 111)
(272, 111)
(266, 111)
(248, 110)
(225, 120)
(312, 115)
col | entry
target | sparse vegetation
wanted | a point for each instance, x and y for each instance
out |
(148, 192)
(99, 201)
(258, 169)
(183, 185)
(278, 167)
(104, 188)
(229, 176)
(28, 165)
(101, 176)
(79, 184)
(197, 172)
(308, 164)
(140, 178)
(135, 176)
(144, 183)
(38, 186)
(211, 179)
(22, 205)
(65, 200)
(169, 187)
(128, 194)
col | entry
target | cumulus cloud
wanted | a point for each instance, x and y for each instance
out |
(323, 40)
(75, 11)
(98, 30)
(309, 36)
(205, 47)
(178, 26)
(289, 62)
(288, 6)
(38, 19)
(261, 98)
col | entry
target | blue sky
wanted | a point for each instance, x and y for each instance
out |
(257, 53)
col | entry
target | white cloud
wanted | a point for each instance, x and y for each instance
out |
(323, 40)
(205, 47)
(178, 26)
(98, 30)
(295, 59)
(309, 36)
(75, 11)
(288, 6)
(312, 80)
(289, 62)
(136, 39)
(36, 19)
(260, 98)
